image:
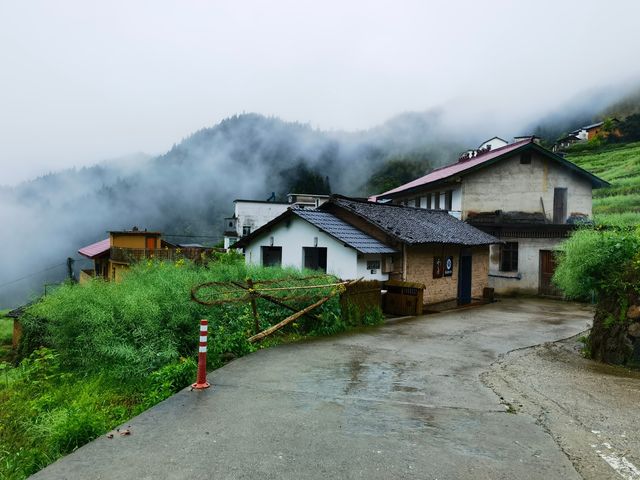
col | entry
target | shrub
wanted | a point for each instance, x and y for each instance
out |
(591, 262)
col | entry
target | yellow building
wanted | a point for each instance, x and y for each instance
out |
(113, 255)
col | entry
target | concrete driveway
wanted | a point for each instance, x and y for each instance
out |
(403, 400)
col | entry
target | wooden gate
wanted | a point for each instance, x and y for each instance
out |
(403, 298)
(547, 269)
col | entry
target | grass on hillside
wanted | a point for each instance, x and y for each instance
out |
(618, 204)
(6, 335)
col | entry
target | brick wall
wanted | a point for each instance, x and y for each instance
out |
(420, 269)
(479, 270)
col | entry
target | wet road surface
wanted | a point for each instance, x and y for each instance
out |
(403, 400)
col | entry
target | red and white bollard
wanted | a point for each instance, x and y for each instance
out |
(201, 381)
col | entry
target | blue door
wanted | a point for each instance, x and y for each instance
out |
(464, 277)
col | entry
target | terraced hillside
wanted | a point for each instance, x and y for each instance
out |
(620, 166)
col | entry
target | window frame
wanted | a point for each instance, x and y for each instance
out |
(509, 257)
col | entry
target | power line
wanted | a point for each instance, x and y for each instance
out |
(2, 285)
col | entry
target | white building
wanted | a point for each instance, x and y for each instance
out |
(249, 215)
(318, 240)
(523, 194)
(493, 143)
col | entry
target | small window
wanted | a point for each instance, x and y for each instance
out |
(428, 201)
(246, 230)
(509, 257)
(448, 200)
(436, 201)
(525, 158)
(373, 265)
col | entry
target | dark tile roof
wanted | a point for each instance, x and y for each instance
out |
(328, 223)
(341, 230)
(415, 225)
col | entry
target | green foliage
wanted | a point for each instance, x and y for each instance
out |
(397, 171)
(591, 262)
(96, 354)
(619, 165)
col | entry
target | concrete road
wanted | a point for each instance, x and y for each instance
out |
(590, 409)
(402, 400)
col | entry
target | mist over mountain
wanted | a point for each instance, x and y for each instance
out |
(187, 191)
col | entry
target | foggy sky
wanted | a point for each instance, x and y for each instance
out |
(84, 81)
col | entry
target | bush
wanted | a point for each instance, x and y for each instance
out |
(591, 262)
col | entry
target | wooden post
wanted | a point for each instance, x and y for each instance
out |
(254, 306)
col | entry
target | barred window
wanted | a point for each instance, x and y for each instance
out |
(509, 257)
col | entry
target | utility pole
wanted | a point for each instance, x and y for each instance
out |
(70, 268)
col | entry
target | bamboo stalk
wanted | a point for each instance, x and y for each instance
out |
(297, 315)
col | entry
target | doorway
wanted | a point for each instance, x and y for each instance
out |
(315, 258)
(271, 256)
(464, 277)
(547, 269)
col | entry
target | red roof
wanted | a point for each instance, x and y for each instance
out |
(95, 249)
(456, 168)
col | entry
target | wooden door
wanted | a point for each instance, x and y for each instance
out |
(547, 269)
(559, 205)
(464, 278)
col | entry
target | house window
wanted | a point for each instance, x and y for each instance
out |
(509, 257)
(246, 230)
(436, 201)
(525, 158)
(448, 200)
(271, 256)
(373, 265)
(315, 258)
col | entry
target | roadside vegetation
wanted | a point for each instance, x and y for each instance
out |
(95, 355)
(603, 266)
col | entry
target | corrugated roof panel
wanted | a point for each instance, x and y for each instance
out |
(344, 232)
(95, 249)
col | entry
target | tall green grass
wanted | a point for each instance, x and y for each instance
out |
(99, 353)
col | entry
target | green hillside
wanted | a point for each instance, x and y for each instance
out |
(620, 166)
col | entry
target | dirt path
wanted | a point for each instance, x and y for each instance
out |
(590, 409)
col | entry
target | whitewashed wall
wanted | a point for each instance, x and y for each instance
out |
(256, 214)
(294, 234)
(528, 266)
(364, 272)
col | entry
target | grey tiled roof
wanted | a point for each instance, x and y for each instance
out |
(416, 225)
(344, 232)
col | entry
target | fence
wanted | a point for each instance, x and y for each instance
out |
(363, 296)
(403, 298)
(132, 255)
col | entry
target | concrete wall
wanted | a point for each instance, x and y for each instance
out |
(420, 269)
(526, 279)
(294, 234)
(256, 214)
(511, 186)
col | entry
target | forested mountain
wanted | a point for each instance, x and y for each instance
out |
(188, 190)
